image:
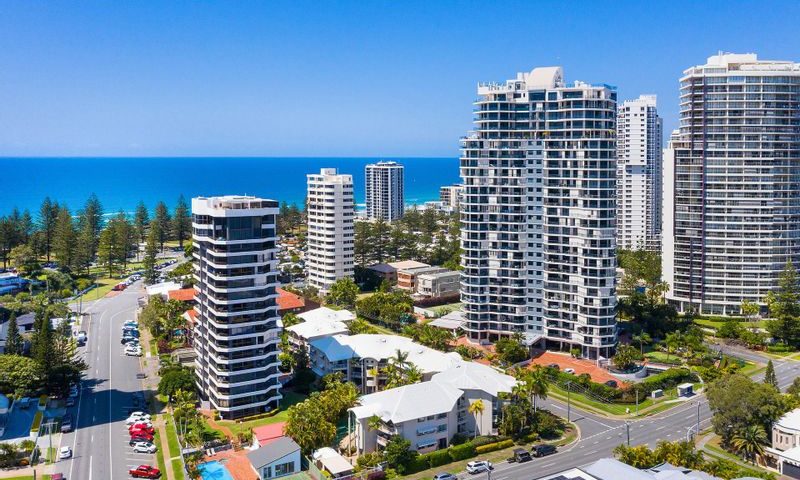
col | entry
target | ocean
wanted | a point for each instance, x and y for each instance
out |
(120, 183)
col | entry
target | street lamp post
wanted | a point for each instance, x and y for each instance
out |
(628, 432)
(568, 400)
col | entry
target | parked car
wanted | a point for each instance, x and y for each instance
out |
(555, 366)
(134, 419)
(479, 466)
(65, 452)
(543, 450)
(444, 476)
(142, 447)
(144, 471)
(139, 413)
(141, 424)
(66, 423)
(57, 476)
(135, 431)
(141, 437)
(571, 371)
(520, 455)
(133, 351)
(611, 383)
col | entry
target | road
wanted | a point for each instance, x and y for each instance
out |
(100, 441)
(599, 435)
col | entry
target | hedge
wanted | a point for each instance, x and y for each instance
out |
(439, 458)
(494, 447)
(419, 464)
(37, 422)
(462, 452)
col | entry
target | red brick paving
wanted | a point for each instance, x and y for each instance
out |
(598, 374)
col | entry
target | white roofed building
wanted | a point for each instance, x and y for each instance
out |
(319, 323)
(362, 358)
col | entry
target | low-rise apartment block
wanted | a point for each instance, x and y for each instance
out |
(362, 359)
(429, 414)
(441, 284)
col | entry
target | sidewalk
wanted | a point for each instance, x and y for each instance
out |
(149, 366)
(28, 471)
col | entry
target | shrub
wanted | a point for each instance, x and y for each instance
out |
(438, 458)
(418, 464)
(781, 349)
(462, 452)
(492, 447)
(487, 439)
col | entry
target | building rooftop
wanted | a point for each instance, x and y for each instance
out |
(318, 328)
(232, 202)
(183, 295)
(444, 273)
(332, 461)
(275, 450)
(790, 420)
(327, 314)
(162, 288)
(268, 433)
(289, 301)
(409, 402)
(451, 321)
(407, 264)
(382, 347)
(475, 376)
(613, 469)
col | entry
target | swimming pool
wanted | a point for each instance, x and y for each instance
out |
(214, 471)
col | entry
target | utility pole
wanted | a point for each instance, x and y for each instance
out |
(568, 399)
(636, 392)
(698, 419)
(628, 432)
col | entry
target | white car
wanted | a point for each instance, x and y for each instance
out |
(137, 419)
(571, 371)
(143, 447)
(65, 452)
(132, 351)
(479, 466)
(140, 414)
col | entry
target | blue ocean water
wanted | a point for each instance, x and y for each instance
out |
(121, 182)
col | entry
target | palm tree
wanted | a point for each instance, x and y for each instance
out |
(749, 443)
(400, 359)
(413, 375)
(476, 408)
(672, 341)
(536, 385)
(643, 339)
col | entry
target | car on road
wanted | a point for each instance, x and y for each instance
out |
(144, 471)
(479, 466)
(143, 447)
(520, 455)
(65, 452)
(66, 423)
(571, 371)
(139, 413)
(543, 450)
(57, 476)
(444, 476)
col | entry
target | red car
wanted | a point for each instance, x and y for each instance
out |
(140, 437)
(145, 471)
(140, 430)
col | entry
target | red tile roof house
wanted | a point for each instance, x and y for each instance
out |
(183, 295)
(289, 302)
(267, 433)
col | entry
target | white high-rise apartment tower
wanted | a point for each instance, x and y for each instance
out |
(237, 332)
(330, 210)
(736, 183)
(537, 213)
(385, 198)
(639, 174)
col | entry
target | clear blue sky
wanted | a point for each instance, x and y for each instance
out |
(332, 78)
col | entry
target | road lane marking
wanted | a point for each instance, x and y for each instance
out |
(90, 467)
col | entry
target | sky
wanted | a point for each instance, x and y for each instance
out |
(332, 78)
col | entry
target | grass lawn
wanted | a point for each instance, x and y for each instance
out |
(177, 469)
(442, 309)
(237, 427)
(751, 369)
(646, 407)
(172, 438)
(715, 450)
(159, 453)
(715, 324)
(379, 328)
(662, 357)
(105, 285)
